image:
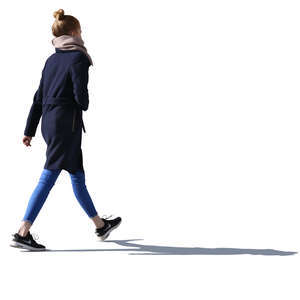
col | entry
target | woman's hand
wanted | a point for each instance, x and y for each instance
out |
(27, 140)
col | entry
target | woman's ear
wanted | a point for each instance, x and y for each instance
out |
(74, 33)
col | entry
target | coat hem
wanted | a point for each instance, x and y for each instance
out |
(69, 170)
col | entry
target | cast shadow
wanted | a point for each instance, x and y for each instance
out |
(140, 249)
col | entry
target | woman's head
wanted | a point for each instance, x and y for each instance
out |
(65, 24)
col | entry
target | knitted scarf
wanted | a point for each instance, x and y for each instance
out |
(69, 42)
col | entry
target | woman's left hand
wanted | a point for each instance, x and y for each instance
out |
(27, 140)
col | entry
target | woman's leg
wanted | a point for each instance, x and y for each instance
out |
(38, 198)
(83, 197)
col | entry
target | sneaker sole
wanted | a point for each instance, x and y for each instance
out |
(23, 246)
(105, 236)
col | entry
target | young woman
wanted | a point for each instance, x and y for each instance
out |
(61, 97)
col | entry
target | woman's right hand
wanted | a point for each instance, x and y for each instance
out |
(27, 140)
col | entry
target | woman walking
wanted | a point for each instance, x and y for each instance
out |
(61, 97)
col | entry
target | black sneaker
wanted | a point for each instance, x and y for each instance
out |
(109, 225)
(26, 242)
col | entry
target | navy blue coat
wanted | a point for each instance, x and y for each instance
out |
(61, 97)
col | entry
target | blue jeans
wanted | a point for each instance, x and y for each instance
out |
(45, 184)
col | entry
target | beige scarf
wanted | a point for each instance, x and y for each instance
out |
(69, 42)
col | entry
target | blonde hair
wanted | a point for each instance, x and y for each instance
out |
(64, 24)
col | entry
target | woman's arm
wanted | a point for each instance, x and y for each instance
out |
(80, 76)
(35, 110)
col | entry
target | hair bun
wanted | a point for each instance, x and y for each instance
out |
(59, 14)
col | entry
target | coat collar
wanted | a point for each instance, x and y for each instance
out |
(57, 50)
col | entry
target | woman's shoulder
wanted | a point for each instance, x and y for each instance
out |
(70, 56)
(80, 57)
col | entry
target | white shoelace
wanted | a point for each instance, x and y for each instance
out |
(106, 217)
(35, 236)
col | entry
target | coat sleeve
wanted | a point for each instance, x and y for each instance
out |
(35, 112)
(80, 76)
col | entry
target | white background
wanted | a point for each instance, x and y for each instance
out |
(192, 138)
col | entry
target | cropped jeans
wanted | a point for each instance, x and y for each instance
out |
(45, 184)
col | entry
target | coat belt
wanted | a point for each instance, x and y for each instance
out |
(83, 127)
(61, 101)
(58, 100)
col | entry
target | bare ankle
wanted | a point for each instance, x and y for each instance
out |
(98, 221)
(24, 229)
(22, 232)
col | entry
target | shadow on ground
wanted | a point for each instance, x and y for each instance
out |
(140, 249)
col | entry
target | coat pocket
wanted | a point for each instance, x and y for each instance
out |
(74, 118)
